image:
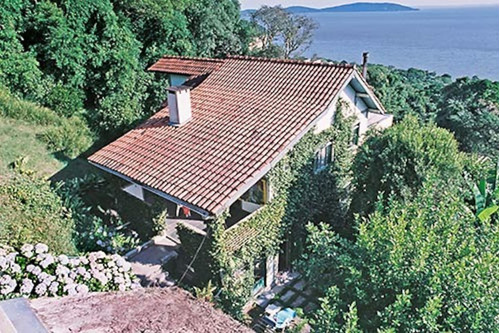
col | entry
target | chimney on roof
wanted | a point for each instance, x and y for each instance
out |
(179, 105)
(365, 63)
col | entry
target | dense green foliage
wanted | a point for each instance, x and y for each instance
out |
(299, 195)
(33, 212)
(469, 109)
(68, 136)
(70, 55)
(399, 160)
(421, 264)
(407, 92)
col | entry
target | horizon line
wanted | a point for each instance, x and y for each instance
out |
(395, 3)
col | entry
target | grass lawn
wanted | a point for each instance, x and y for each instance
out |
(18, 139)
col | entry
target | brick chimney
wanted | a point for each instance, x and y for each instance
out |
(179, 105)
(365, 64)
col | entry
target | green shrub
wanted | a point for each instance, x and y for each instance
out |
(32, 212)
(469, 109)
(398, 161)
(16, 108)
(65, 101)
(71, 137)
(425, 264)
(92, 232)
(32, 271)
(159, 221)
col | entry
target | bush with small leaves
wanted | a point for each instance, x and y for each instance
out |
(32, 271)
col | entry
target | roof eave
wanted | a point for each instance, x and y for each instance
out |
(370, 92)
(204, 213)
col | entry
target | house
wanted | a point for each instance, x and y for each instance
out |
(228, 122)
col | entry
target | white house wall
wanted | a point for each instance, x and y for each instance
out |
(356, 107)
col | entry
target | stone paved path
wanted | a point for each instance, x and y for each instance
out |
(147, 263)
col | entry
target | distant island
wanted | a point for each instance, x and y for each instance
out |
(353, 7)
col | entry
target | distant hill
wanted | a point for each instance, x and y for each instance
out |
(353, 7)
(369, 7)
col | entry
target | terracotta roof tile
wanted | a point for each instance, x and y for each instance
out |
(245, 113)
(186, 65)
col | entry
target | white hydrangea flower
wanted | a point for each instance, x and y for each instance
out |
(74, 262)
(3, 263)
(127, 266)
(82, 289)
(15, 268)
(5, 279)
(119, 280)
(41, 248)
(84, 261)
(120, 261)
(81, 271)
(27, 250)
(26, 287)
(36, 270)
(62, 270)
(63, 259)
(41, 289)
(54, 287)
(47, 261)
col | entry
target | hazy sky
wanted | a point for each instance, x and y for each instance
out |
(245, 4)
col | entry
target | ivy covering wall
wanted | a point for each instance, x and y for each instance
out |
(300, 195)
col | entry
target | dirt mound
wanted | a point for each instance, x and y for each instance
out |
(144, 310)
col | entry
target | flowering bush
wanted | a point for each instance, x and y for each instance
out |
(34, 272)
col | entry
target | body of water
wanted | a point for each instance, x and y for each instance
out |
(455, 41)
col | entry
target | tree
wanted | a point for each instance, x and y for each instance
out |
(407, 92)
(398, 161)
(297, 35)
(469, 109)
(281, 33)
(423, 264)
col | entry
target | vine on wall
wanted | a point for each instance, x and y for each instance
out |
(300, 196)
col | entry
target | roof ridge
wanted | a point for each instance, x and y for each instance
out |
(292, 61)
(166, 56)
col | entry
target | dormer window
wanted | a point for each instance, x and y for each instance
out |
(323, 157)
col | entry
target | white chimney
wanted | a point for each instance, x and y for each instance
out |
(179, 105)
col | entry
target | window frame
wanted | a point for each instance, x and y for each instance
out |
(323, 157)
(356, 134)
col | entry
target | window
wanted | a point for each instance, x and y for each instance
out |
(355, 135)
(257, 194)
(323, 157)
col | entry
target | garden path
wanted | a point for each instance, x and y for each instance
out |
(148, 260)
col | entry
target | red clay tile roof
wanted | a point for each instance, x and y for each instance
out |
(186, 65)
(246, 115)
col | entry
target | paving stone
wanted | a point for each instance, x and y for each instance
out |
(278, 289)
(264, 299)
(287, 296)
(301, 285)
(299, 302)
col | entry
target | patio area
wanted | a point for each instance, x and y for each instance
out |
(147, 261)
(291, 292)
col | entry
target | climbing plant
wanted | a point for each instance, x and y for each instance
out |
(301, 194)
